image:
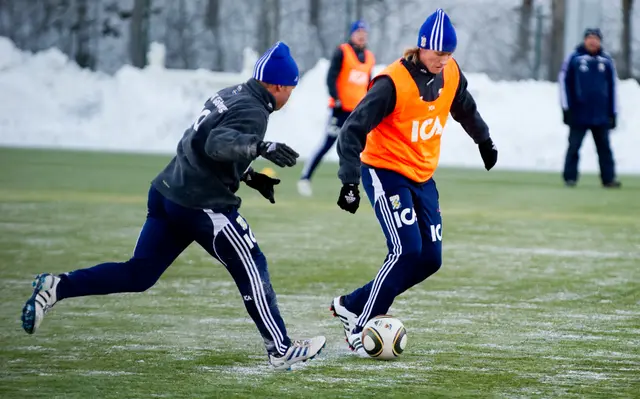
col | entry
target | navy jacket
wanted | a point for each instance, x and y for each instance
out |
(588, 88)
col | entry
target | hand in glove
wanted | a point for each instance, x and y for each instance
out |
(612, 122)
(278, 153)
(489, 153)
(349, 198)
(261, 182)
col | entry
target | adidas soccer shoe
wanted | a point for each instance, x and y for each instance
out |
(299, 351)
(355, 344)
(42, 299)
(347, 318)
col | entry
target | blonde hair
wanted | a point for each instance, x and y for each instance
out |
(412, 54)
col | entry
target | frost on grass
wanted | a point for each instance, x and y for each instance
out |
(575, 377)
(238, 371)
(92, 373)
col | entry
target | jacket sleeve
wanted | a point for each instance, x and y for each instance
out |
(613, 76)
(334, 71)
(236, 138)
(566, 83)
(465, 112)
(378, 103)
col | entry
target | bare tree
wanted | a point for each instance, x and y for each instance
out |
(180, 38)
(8, 17)
(359, 9)
(315, 11)
(139, 28)
(523, 45)
(556, 39)
(82, 33)
(268, 24)
(625, 70)
(349, 14)
(212, 22)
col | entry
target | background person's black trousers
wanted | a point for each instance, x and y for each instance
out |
(603, 147)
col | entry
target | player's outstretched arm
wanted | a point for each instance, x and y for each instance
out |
(465, 112)
(239, 138)
(236, 138)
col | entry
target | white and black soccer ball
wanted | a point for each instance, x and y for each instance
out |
(384, 337)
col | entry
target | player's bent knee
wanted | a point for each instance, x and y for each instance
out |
(410, 252)
(142, 283)
(141, 277)
(431, 261)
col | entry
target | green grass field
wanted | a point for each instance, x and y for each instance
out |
(539, 294)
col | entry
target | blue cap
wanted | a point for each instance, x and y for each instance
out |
(437, 33)
(276, 66)
(594, 32)
(360, 24)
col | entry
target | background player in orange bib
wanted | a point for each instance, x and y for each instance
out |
(348, 77)
(392, 141)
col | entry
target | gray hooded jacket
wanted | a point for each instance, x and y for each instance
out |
(218, 149)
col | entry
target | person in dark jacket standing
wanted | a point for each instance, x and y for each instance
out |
(347, 79)
(587, 83)
(194, 199)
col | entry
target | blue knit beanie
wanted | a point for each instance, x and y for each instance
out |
(360, 24)
(276, 66)
(437, 33)
(593, 31)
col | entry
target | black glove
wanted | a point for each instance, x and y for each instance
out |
(261, 182)
(349, 198)
(566, 117)
(489, 153)
(612, 122)
(278, 153)
(337, 104)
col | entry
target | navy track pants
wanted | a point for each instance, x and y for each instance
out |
(168, 230)
(409, 215)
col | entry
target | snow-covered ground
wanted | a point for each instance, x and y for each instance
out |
(47, 101)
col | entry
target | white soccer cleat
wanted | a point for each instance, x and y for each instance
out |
(299, 351)
(347, 318)
(355, 344)
(304, 188)
(43, 298)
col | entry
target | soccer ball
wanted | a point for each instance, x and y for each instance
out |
(384, 337)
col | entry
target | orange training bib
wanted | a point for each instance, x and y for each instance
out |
(353, 79)
(407, 141)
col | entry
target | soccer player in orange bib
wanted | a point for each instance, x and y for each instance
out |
(347, 80)
(392, 141)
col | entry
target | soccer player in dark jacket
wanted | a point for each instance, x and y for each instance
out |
(194, 199)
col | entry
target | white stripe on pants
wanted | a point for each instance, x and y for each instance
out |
(222, 224)
(394, 254)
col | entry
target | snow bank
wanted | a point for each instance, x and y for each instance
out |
(47, 101)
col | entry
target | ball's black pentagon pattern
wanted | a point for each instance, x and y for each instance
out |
(374, 335)
(397, 348)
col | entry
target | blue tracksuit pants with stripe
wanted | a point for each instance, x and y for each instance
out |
(167, 231)
(409, 215)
